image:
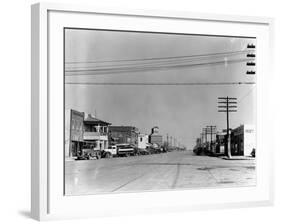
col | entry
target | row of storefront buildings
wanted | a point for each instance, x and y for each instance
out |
(242, 141)
(81, 128)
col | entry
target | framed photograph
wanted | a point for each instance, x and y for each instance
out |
(139, 112)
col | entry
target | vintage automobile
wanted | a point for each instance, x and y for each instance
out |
(154, 149)
(198, 150)
(141, 151)
(110, 152)
(88, 152)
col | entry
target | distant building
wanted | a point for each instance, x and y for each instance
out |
(198, 141)
(220, 142)
(74, 132)
(123, 134)
(142, 141)
(243, 140)
(96, 132)
(155, 137)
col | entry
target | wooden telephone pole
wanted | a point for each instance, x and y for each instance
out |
(202, 138)
(227, 105)
(204, 131)
(211, 130)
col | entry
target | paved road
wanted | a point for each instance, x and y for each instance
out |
(165, 171)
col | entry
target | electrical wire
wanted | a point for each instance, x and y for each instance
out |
(247, 94)
(109, 71)
(179, 61)
(146, 64)
(161, 83)
(163, 58)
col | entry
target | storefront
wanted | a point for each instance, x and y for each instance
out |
(96, 132)
(243, 140)
(220, 143)
(123, 135)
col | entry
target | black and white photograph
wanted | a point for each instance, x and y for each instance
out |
(150, 111)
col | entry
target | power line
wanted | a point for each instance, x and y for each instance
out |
(178, 61)
(142, 69)
(161, 83)
(247, 94)
(161, 58)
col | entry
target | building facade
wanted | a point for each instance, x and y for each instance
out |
(74, 132)
(142, 141)
(243, 140)
(96, 132)
(220, 145)
(123, 135)
(155, 137)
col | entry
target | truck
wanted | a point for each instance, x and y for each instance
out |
(119, 150)
(110, 152)
(125, 150)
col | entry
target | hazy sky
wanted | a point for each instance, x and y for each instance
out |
(180, 111)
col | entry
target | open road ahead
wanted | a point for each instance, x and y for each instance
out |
(164, 171)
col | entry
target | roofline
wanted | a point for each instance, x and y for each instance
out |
(99, 121)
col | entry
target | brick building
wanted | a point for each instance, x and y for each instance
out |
(123, 134)
(74, 132)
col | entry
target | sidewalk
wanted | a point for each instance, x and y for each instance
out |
(67, 159)
(238, 158)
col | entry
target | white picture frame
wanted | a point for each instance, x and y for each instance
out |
(47, 200)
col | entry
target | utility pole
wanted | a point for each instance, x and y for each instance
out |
(227, 105)
(212, 130)
(204, 131)
(202, 138)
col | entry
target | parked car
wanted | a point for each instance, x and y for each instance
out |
(253, 153)
(88, 152)
(142, 151)
(198, 150)
(154, 150)
(83, 156)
